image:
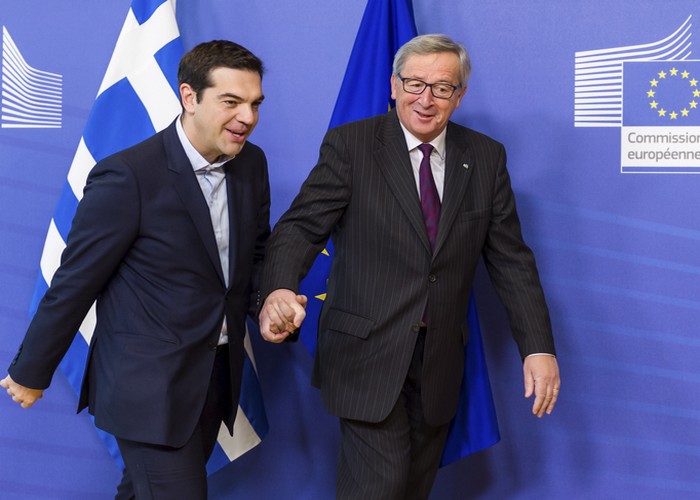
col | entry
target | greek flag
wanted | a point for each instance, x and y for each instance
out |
(386, 25)
(138, 97)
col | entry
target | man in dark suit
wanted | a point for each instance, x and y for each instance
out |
(411, 201)
(169, 239)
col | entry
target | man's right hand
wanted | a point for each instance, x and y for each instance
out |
(282, 314)
(25, 396)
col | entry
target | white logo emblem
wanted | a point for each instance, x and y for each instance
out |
(651, 93)
(31, 98)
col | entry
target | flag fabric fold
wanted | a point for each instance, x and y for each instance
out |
(137, 98)
(386, 25)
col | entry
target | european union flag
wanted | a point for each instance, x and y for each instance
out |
(386, 25)
(365, 92)
(661, 93)
(137, 98)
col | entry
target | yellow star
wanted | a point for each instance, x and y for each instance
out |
(662, 74)
(651, 93)
(693, 104)
(693, 83)
(654, 83)
(696, 93)
(662, 112)
(673, 115)
(653, 104)
(684, 112)
(674, 71)
(685, 74)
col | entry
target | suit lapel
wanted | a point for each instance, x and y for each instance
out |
(392, 157)
(235, 191)
(458, 171)
(185, 183)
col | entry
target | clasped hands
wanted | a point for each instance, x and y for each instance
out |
(282, 314)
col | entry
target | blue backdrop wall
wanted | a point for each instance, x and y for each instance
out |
(616, 238)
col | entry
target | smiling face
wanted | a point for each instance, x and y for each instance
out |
(220, 119)
(424, 115)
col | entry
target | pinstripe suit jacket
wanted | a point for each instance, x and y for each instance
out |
(363, 193)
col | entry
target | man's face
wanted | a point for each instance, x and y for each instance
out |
(222, 119)
(424, 115)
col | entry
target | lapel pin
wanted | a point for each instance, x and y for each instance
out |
(465, 165)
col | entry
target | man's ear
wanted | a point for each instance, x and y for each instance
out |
(188, 97)
(460, 94)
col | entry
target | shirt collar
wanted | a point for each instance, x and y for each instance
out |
(197, 161)
(438, 143)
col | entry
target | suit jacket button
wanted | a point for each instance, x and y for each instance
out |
(432, 278)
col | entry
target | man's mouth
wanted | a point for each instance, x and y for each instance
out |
(237, 135)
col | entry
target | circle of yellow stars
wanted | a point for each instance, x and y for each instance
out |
(673, 114)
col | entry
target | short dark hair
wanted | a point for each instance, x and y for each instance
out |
(196, 65)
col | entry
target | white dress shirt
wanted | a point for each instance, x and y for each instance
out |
(212, 181)
(437, 165)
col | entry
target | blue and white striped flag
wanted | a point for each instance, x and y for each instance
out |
(138, 97)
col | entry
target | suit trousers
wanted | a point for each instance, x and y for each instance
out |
(397, 458)
(157, 472)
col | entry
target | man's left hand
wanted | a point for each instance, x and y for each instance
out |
(542, 379)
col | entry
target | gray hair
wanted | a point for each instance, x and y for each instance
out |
(431, 44)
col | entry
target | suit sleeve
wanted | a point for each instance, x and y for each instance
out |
(104, 227)
(302, 232)
(513, 271)
(261, 238)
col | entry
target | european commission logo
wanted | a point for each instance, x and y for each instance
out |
(652, 93)
(31, 98)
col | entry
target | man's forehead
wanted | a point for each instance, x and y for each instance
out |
(443, 61)
(223, 72)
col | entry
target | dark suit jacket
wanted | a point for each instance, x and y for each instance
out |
(363, 192)
(142, 244)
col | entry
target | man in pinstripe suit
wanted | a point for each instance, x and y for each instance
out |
(393, 328)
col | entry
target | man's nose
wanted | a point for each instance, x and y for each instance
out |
(246, 114)
(426, 98)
